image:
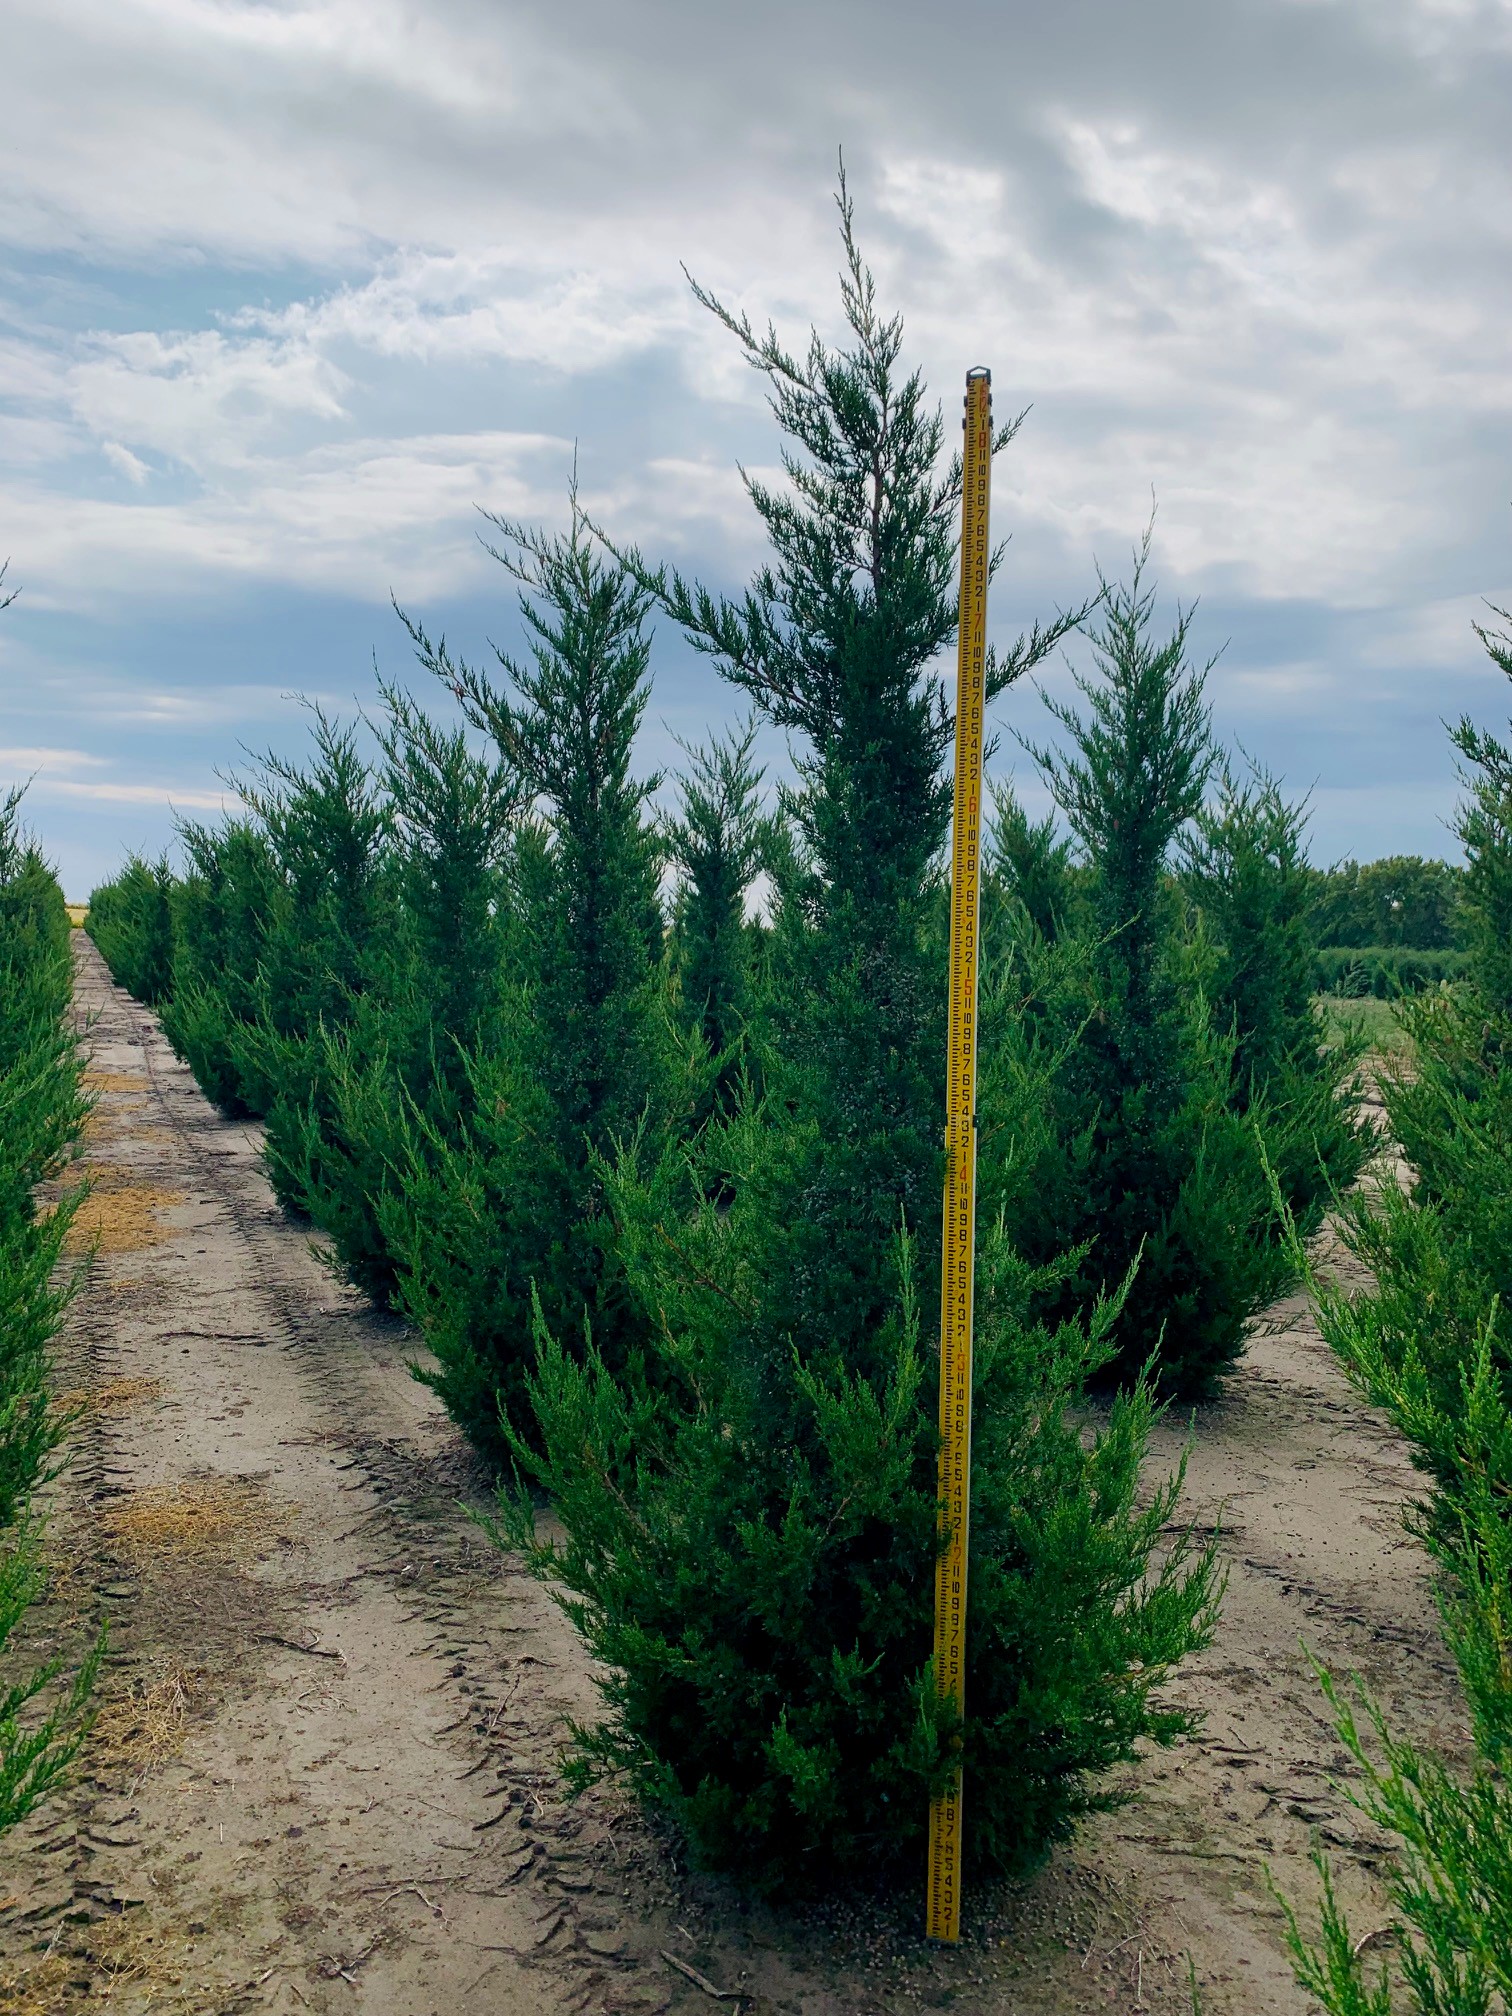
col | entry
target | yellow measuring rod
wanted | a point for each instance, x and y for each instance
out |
(944, 1899)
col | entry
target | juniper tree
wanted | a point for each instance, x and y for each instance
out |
(1243, 864)
(749, 1505)
(1030, 878)
(131, 921)
(1442, 1253)
(1138, 1133)
(223, 909)
(330, 914)
(451, 814)
(41, 1110)
(512, 1205)
(834, 643)
(719, 840)
(400, 1069)
(1427, 1341)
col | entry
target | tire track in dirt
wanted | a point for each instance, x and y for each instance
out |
(326, 1775)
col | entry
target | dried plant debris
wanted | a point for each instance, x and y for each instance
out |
(126, 1959)
(111, 1396)
(207, 1518)
(121, 1217)
(144, 1725)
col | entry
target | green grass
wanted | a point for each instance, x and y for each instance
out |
(1378, 1021)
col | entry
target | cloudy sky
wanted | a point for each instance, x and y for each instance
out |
(288, 287)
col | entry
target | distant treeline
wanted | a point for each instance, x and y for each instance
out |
(1381, 906)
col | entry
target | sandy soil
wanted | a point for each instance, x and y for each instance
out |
(324, 1774)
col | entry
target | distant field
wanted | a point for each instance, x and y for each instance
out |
(77, 912)
(1377, 1020)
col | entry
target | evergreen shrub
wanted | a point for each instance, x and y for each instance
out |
(508, 1204)
(1428, 1342)
(1384, 971)
(41, 1111)
(221, 910)
(328, 922)
(747, 1504)
(131, 921)
(397, 1072)
(1149, 1016)
(719, 840)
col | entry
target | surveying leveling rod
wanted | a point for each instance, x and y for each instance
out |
(959, 1254)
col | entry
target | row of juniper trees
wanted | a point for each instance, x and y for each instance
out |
(1430, 1344)
(636, 1115)
(44, 1711)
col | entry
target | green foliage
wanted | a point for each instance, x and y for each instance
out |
(396, 1071)
(719, 841)
(1402, 901)
(1032, 888)
(38, 1742)
(131, 922)
(41, 1110)
(1383, 972)
(748, 1505)
(749, 1552)
(1452, 1885)
(1486, 831)
(1429, 1344)
(508, 1202)
(1244, 867)
(221, 911)
(325, 828)
(442, 981)
(1147, 1029)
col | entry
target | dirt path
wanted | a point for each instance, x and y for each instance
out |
(324, 1775)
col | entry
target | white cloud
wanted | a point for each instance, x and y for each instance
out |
(23, 759)
(204, 399)
(177, 796)
(132, 467)
(491, 304)
(360, 517)
(315, 277)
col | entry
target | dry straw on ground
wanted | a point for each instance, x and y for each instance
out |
(205, 1518)
(134, 1960)
(119, 1217)
(144, 1725)
(114, 1396)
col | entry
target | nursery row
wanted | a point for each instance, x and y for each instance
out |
(41, 1111)
(1430, 1345)
(658, 1179)
(1384, 971)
